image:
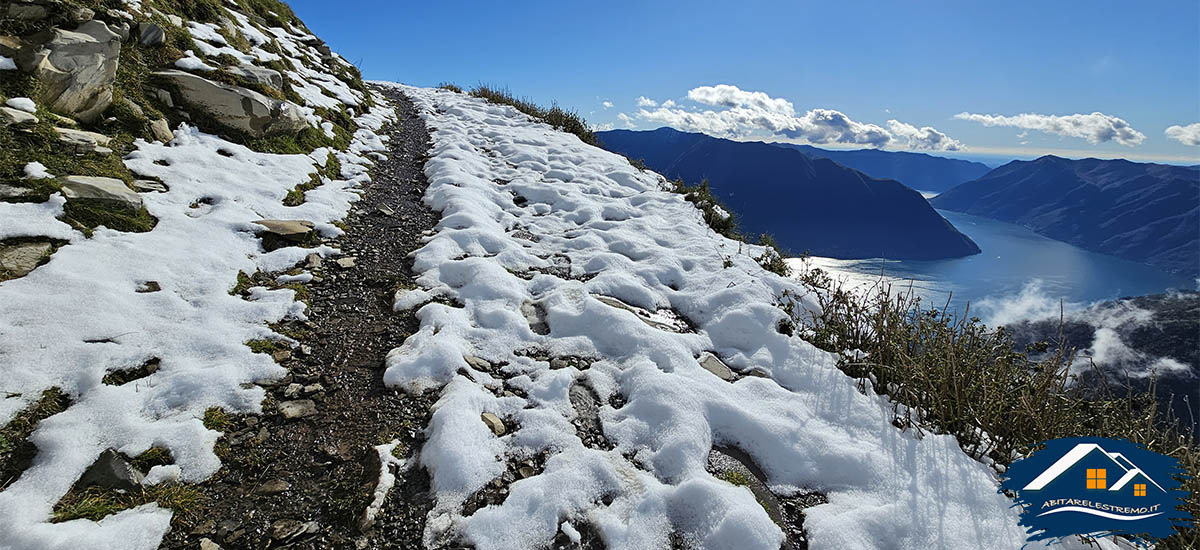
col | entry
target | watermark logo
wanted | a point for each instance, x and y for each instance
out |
(1098, 487)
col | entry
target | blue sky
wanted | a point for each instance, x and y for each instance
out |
(918, 63)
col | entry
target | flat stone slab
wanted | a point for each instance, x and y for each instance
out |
(715, 365)
(291, 230)
(299, 408)
(665, 320)
(17, 260)
(100, 189)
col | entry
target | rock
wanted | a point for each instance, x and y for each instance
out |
(149, 186)
(75, 69)
(119, 26)
(346, 263)
(206, 544)
(478, 363)
(148, 287)
(293, 390)
(281, 355)
(258, 75)
(14, 192)
(161, 130)
(493, 422)
(175, 20)
(313, 388)
(286, 529)
(149, 34)
(293, 231)
(27, 11)
(715, 365)
(83, 142)
(22, 104)
(133, 106)
(273, 487)
(235, 107)
(664, 320)
(17, 260)
(559, 363)
(757, 371)
(100, 189)
(163, 96)
(298, 409)
(113, 471)
(526, 471)
(79, 14)
(312, 261)
(15, 117)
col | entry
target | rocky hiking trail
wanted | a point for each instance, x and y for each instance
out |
(301, 475)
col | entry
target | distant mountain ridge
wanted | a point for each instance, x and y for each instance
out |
(1148, 213)
(919, 171)
(813, 205)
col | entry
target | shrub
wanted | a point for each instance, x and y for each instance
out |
(952, 374)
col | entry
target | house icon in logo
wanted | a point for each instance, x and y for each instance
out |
(1092, 468)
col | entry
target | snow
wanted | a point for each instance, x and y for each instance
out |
(808, 426)
(7, 64)
(189, 62)
(37, 171)
(387, 479)
(71, 321)
(22, 104)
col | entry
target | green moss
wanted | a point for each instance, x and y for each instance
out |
(16, 451)
(89, 215)
(295, 197)
(735, 477)
(266, 346)
(215, 419)
(95, 503)
(154, 456)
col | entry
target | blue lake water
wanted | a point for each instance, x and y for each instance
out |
(1015, 262)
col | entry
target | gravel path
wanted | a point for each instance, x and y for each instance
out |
(304, 482)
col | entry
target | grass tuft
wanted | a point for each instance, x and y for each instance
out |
(215, 419)
(567, 121)
(94, 503)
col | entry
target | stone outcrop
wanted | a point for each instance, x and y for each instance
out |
(76, 69)
(16, 117)
(82, 142)
(107, 190)
(17, 260)
(235, 107)
(258, 75)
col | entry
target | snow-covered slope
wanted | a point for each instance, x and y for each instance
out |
(88, 313)
(536, 228)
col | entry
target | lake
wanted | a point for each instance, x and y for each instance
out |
(1019, 272)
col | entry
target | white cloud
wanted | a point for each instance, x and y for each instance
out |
(643, 101)
(1187, 135)
(1095, 127)
(925, 138)
(607, 104)
(626, 120)
(744, 113)
(724, 95)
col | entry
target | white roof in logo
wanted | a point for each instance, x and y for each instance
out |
(1076, 454)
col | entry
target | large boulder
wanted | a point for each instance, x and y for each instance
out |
(109, 190)
(82, 142)
(76, 69)
(235, 107)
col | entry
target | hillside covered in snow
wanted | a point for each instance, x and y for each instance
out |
(249, 301)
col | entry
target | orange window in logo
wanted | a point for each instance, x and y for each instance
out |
(1139, 489)
(1096, 478)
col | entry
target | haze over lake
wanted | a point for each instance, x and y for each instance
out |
(1014, 260)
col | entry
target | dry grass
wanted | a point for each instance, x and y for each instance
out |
(562, 119)
(952, 374)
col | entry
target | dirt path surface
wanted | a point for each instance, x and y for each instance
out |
(304, 482)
